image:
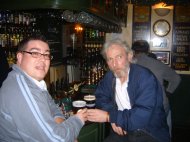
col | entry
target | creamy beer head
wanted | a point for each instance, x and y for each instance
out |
(90, 101)
(77, 105)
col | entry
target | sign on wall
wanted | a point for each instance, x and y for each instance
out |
(141, 23)
(181, 39)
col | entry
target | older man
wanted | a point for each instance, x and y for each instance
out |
(27, 111)
(130, 98)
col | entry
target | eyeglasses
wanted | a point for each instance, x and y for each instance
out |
(38, 55)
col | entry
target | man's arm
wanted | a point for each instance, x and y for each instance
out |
(55, 110)
(38, 112)
(105, 92)
(173, 80)
(143, 92)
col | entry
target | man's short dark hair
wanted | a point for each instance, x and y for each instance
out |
(141, 46)
(22, 44)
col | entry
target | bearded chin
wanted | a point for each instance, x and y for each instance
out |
(121, 73)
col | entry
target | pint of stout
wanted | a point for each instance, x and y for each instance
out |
(77, 105)
(90, 101)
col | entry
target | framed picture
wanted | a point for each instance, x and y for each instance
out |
(163, 56)
(160, 43)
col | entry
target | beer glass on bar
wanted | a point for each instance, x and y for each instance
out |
(77, 105)
(90, 101)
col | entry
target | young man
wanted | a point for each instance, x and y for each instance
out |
(130, 98)
(27, 111)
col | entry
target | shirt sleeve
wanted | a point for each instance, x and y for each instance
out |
(55, 110)
(172, 78)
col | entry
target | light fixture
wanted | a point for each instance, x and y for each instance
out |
(162, 9)
(69, 16)
(78, 28)
(84, 17)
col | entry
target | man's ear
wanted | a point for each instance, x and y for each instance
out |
(19, 57)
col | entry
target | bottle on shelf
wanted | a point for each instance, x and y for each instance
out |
(92, 64)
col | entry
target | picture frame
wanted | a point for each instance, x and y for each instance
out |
(163, 56)
(160, 43)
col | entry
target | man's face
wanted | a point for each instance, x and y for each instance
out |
(37, 68)
(117, 60)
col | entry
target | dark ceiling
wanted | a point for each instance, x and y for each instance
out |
(152, 2)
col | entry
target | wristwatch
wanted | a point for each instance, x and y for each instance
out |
(161, 27)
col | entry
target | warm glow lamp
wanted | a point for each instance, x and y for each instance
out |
(161, 9)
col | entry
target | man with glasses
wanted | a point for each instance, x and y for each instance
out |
(27, 111)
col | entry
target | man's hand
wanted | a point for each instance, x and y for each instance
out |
(82, 114)
(97, 115)
(118, 130)
(59, 120)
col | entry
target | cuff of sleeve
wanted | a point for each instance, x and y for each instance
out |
(113, 116)
(60, 116)
(77, 121)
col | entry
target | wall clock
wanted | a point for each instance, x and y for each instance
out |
(161, 27)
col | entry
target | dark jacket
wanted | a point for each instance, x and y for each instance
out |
(145, 93)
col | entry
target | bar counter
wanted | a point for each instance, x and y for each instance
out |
(92, 132)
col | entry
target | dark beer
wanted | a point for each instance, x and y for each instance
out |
(77, 105)
(90, 101)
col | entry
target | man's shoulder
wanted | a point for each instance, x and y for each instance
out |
(149, 62)
(10, 81)
(139, 70)
(137, 67)
(108, 77)
(109, 74)
(9, 91)
(13, 79)
(142, 57)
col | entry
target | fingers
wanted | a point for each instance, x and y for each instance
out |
(125, 133)
(59, 120)
(96, 115)
(91, 115)
(82, 110)
(91, 111)
(118, 130)
(82, 114)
